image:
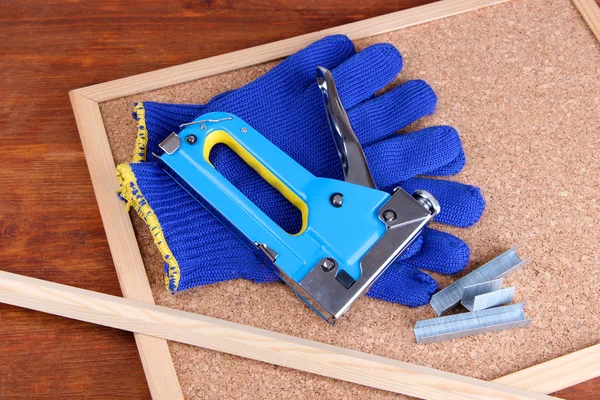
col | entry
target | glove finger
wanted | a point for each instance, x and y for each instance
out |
(405, 285)
(402, 156)
(362, 75)
(453, 168)
(441, 252)
(461, 205)
(413, 249)
(297, 71)
(377, 118)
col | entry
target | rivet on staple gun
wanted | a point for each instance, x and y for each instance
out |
(351, 232)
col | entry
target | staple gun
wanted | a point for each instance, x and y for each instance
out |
(351, 232)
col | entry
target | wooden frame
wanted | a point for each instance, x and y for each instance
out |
(247, 341)
(156, 359)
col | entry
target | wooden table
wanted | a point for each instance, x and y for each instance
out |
(50, 227)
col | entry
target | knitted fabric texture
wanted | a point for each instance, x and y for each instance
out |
(285, 106)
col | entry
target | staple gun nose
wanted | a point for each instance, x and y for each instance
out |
(351, 232)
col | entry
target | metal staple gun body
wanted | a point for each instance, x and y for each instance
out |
(351, 232)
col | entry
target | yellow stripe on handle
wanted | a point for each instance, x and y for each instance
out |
(222, 137)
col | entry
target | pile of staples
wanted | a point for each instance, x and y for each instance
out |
(482, 294)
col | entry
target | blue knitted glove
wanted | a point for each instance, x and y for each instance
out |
(285, 106)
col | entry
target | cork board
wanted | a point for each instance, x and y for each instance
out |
(520, 82)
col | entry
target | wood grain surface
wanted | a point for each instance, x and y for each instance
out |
(50, 227)
(250, 342)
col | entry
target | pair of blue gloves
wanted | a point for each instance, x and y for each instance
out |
(285, 106)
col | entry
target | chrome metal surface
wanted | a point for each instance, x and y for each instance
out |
(329, 296)
(203, 121)
(328, 264)
(354, 163)
(336, 200)
(170, 144)
(470, 292)
(427, 200)
(269, 252)
(501, 266)
(191, 139)
(491, 299)
(471, 323)
(389, 215)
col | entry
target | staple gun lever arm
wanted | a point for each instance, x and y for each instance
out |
(354, 162)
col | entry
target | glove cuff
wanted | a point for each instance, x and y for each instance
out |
(131, 193)
(141, 140)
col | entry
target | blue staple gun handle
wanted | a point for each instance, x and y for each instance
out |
(350, 231)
